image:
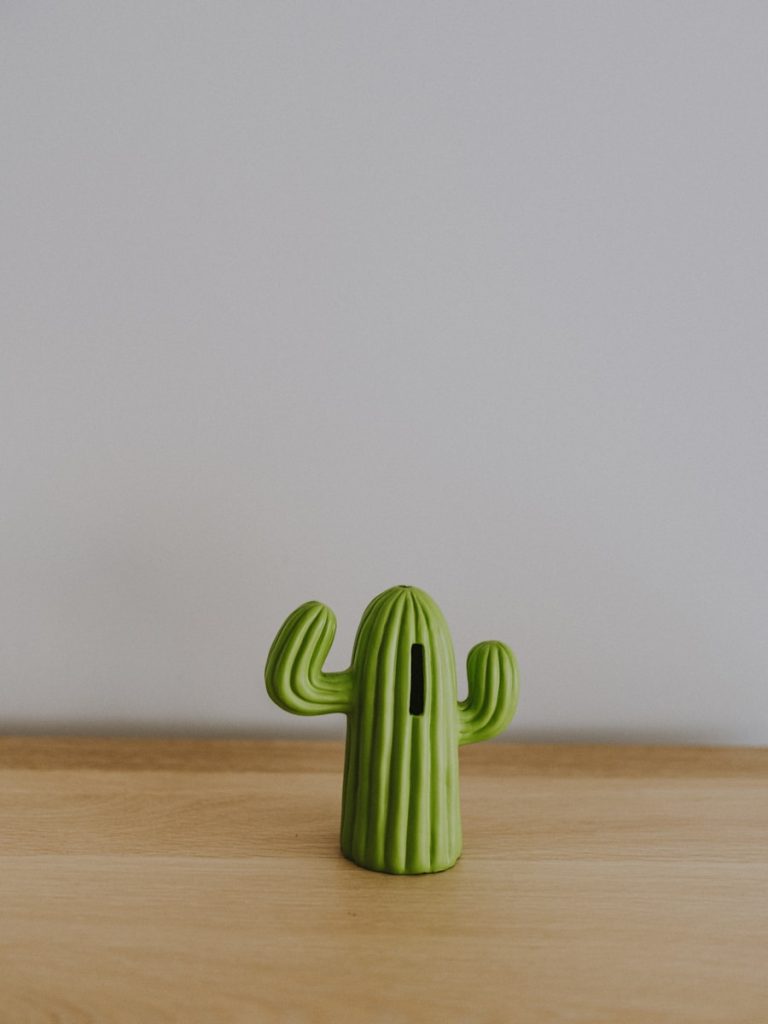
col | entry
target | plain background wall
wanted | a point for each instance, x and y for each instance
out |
(302, 300)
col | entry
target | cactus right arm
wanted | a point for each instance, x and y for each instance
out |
(493, 687)
(294, 676)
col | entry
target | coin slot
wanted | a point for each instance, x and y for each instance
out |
(417, 679)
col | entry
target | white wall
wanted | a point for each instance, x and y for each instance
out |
(306, 299)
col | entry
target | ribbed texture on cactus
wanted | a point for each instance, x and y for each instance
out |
(400, 801)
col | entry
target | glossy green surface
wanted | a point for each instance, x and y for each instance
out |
(400, 803)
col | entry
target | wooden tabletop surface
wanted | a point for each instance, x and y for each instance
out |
(196, 881)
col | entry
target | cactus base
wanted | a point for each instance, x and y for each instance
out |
(390, 869)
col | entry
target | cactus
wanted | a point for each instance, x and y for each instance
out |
(400, 800)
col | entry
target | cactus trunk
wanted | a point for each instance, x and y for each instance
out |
(400, 805)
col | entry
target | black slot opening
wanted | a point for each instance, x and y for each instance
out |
(417, 679)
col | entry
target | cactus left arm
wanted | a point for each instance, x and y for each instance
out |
(493, 691)
(294, 673)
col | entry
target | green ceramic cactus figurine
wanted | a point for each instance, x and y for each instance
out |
(400, 803)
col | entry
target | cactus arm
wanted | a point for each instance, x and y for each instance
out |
(294, 677)
(493, 691)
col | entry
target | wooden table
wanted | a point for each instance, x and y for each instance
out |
(149, 881)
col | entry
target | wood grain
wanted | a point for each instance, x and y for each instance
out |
(200, 881)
